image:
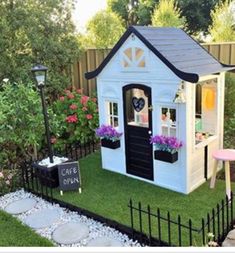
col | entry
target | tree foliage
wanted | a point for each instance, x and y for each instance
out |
(197, 13)
(103, 30)
(229, 111)
(223, 22)
(35, 31)
(167, 14)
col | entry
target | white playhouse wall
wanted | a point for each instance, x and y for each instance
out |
(163, 83)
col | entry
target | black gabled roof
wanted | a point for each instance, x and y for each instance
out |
(181, 53)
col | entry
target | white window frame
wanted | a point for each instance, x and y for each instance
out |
(134, 67)
(169, 127)
(109, 115)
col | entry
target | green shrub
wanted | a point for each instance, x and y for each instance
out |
(229, 111)
(21, 124)
(75, 118)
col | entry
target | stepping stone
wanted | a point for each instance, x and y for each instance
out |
(104, 242)
(228, 243)
(20, 206)
(42, 219)
(231, 235)
(71, 232)
(230, 239)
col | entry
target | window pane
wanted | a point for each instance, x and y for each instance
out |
(115, 120)
(138, 53)
(128, 53)
(141, 63)
(137, 108)
(125, 64)
(173, 114)
(110, 108)
(115, 109)
(168, 121)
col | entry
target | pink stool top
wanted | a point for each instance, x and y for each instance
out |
(224, 154)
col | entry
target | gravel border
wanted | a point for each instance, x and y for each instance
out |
(96, 229)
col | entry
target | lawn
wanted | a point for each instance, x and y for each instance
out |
(108, 194)
(14, 233)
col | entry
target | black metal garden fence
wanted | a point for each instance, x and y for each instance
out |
(40, 182)
(157, 229)
(153, 228)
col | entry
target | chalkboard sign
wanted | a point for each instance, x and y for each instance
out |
(138, 103)
(69, 176)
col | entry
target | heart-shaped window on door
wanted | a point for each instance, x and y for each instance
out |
(138, 103)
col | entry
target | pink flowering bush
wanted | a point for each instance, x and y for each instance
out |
(75, 118)
(166, 143)
(7, 181)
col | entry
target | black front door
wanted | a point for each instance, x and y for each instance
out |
(138, 129)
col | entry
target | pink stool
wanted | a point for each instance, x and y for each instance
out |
(224, 155)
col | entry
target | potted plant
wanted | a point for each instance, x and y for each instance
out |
(110, 137)
(166, 148)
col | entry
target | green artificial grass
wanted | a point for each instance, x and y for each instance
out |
(107, 193)
(13, 233)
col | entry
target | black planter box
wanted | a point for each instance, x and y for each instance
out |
(47, 176)
(110, 144)
(165, 156)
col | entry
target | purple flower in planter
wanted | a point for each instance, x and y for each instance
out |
(166, 143)
(108, 132)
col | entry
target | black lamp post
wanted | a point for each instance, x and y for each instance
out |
(40, 72)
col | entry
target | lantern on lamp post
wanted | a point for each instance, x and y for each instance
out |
(40, 72)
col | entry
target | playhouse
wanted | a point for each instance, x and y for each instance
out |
(159, 81)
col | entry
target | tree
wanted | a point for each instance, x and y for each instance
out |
(223, 22)
(133, 11)
(103, 30)
(167, 14)
(145, 11)
(35, 31)
(197, 13)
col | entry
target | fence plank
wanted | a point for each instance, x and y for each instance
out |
(169, 227)
(222, 216)
(149, 225)
(179, 230)
(218, 221)
(227, 213)
(140, 222)
(231, 211)
(203, 233)
(190, 233)
(159, 225)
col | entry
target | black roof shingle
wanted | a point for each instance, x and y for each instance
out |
(180, 52)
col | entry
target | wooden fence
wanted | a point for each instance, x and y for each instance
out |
(91, 59)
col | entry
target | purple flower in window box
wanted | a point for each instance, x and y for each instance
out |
(110, 137)
(166, 148)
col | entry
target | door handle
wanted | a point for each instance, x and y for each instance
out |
(149, 132)
(150, 108)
